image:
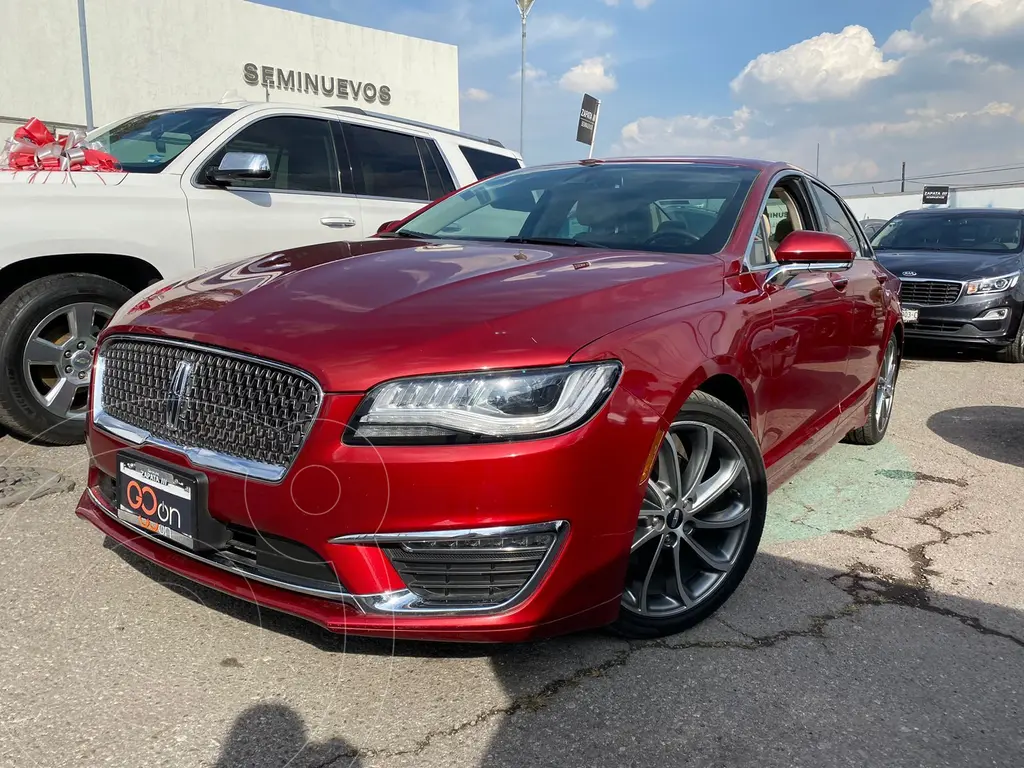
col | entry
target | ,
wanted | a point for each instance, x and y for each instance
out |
(200, 186)
(960, 271)
(557, 399)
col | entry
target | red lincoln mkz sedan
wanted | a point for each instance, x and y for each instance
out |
(557, 399)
